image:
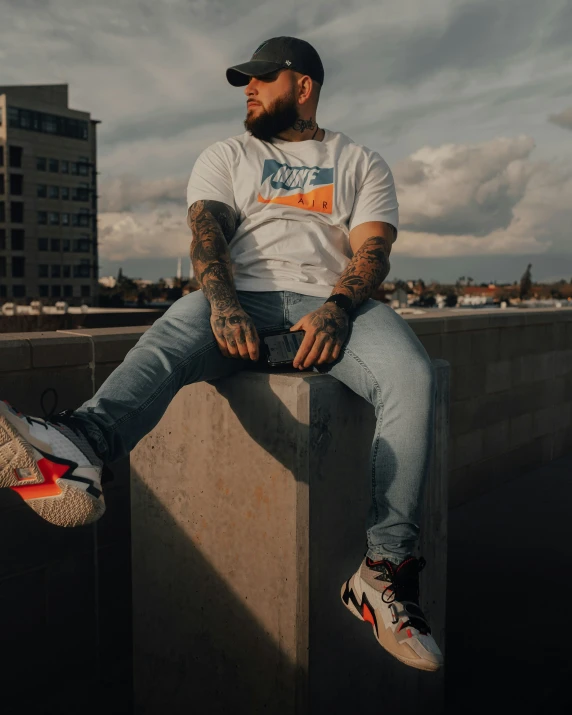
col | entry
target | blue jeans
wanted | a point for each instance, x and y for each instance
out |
(382, 360)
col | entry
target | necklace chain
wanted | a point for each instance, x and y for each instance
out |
(314, 134)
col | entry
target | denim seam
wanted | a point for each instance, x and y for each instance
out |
(150, 399)
(347, 351)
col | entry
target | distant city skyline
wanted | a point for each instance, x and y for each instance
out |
(468, 101)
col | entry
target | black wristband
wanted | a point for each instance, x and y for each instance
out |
(342, 301)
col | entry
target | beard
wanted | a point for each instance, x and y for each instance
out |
(281, 116)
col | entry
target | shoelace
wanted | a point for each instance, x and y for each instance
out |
(65, 418)
(406, 592)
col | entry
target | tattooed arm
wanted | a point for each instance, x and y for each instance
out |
(327, 327)
(213, 224)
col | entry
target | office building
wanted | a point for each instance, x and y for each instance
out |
(48, 197)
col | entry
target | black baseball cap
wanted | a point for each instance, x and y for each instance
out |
(278, 53)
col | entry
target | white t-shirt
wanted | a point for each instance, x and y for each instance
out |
(296, 203)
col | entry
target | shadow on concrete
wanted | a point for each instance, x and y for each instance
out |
(509, 594)
(223, 662)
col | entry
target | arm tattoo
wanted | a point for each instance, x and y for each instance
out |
(367, 269)
(213, 224)
(301, 125)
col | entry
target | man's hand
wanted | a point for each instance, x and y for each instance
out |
(235, 333)
(326, 331)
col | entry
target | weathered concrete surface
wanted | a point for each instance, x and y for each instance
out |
(248, 508)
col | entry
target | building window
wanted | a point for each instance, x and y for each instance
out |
(42, 270)
(42, 244)
(85, 291)
(54, 218)
(44, 291)
(53, 192)
(41, 163)
(66, 271)
(65, 167)
(66, 244)
(41, 191)
(80, 194)
(42, 217)
(17, 211)
(2, 186)
(15, 157)
(1, 156)
(53, 166)
(56, 291)
(18, 266)
(19, 291)
(17, 239)
(2, 266)
(2, 212)
(81, 245)
(2, 239)
(65, 193)
(56, 270)
(3, 292)
(83, 169)
(83, 270)
(68, 291)
(55, 245)
(16, 184)
(65, 219)
(47, 123)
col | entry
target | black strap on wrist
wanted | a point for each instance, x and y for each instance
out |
(342, 301)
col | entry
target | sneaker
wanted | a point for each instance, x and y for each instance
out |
(52, 466)
(387, 596)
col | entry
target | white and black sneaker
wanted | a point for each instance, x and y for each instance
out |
(51, 465)
(387, 596)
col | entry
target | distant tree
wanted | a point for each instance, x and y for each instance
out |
(526, 283)
(451, 300)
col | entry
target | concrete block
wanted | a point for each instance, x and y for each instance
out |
(538, 366)
(248, 508)
(472, 322)
(467, 381)
(513, 342)
(498, 376)
(55, 349)
(110, 345)
(485, 346)
(433, 344)
(15, 354)
(73, 386)
(562, 362)
(543, 422)
(466, 448)
(521, 430)
(425, 326)
(495, 438)
(456, 348)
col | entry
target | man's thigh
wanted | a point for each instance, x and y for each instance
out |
(381, 348)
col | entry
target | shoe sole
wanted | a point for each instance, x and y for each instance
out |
(349, 586)
(58, 501)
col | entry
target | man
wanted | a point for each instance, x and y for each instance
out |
(292, 226)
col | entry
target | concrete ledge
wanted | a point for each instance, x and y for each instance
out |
(249, 502)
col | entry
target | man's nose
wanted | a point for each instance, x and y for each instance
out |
(250, 87)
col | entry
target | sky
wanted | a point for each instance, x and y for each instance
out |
(469, 102)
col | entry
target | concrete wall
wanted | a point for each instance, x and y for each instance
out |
(249, 502)
(65, 594)
(511, 390)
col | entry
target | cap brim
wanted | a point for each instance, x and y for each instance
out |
(239, 74)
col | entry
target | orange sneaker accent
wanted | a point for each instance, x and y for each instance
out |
(367, 614)
(51, 471)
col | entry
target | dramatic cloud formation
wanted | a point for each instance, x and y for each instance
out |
(466, 99)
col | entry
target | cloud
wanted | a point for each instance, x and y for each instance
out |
(127, 193)
(563, 119)
(483, 198)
